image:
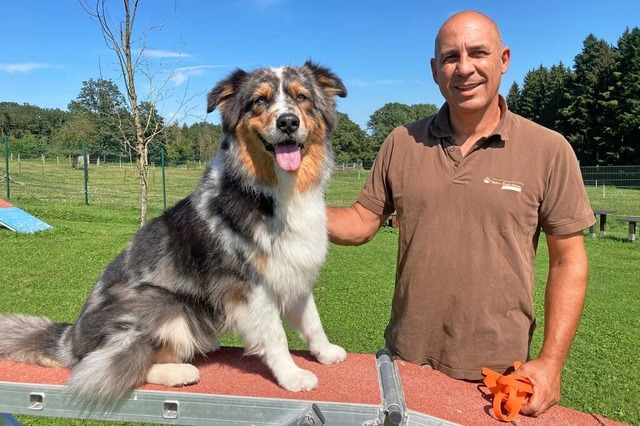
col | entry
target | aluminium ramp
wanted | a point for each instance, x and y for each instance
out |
(238, 390)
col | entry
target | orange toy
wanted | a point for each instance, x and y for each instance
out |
(512, 390)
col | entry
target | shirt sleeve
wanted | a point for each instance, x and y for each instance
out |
(376, 195)
(565, 208)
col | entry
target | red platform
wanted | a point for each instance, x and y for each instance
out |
(229, 372)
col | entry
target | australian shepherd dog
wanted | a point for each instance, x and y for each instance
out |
(237, 255)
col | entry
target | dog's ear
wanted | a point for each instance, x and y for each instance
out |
(224, 89)
(330, 82)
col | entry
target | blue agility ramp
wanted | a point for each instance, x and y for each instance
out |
(18, 220)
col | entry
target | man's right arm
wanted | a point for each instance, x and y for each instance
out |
(353, 225)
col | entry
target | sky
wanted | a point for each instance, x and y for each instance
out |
(380, 49)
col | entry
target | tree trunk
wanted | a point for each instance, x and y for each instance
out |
(143, 173)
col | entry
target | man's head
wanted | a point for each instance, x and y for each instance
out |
(469, 62)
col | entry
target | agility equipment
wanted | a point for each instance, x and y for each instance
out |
(234, 390)
(18, 220)
(510, 392)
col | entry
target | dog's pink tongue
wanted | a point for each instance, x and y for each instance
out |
(288, 156)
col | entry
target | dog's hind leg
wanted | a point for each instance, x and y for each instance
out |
(168, 372)
(304, 318)
(173, 375)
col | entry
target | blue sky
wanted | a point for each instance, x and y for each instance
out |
(380, 49)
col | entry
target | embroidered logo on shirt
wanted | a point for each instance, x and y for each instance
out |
(508, 185)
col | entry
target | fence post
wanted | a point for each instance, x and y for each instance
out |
(86, 173)
(6, 162)
(164, 187)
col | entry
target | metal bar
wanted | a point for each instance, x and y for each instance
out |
(393, 403)
(86, 173)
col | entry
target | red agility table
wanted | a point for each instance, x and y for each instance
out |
(365, 390)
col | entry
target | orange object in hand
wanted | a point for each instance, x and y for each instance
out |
(512, 390)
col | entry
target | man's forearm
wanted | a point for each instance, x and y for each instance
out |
(353, 225)
(564, 297)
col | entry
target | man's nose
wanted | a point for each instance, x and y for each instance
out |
(465, 65)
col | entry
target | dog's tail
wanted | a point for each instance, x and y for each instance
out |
(104, 374)
(34, 340)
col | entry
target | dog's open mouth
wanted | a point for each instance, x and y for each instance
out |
(287, 153)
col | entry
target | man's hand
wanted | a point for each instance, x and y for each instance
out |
(545, 377)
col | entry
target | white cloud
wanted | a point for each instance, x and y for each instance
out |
(370, 83)
(182, 74)
(260, 4)
(23, 68)
(154, 53)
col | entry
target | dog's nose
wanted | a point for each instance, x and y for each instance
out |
(288, 123)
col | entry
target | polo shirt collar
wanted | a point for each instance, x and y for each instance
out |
(441, 129)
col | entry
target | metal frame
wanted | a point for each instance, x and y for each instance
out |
(170, 407)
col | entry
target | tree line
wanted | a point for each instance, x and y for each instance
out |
(100, 117)
(595, 104)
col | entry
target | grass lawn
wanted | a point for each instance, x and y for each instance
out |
(51, 273)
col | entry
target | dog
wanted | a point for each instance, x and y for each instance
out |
(238, 254)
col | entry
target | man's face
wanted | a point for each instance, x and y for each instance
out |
(469, 63)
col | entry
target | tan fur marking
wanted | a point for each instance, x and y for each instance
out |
(259, 262)
(253, 154)
(165, 355)
(265, 90)
(327, 85)
(228, 91)
(295, 88)
(237, 294)
(48, 362)
(309, 173)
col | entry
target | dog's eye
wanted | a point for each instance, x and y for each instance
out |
(262, 100)
(301, 98)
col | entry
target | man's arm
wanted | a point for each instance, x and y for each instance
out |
(353, 225)
(564, 299)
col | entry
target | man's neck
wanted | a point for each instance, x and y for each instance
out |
(469, 126)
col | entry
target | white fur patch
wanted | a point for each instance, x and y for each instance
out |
(176, 334)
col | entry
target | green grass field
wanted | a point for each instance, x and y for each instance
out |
(51, 274)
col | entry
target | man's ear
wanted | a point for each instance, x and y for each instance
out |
(506, 59)
(434, 70)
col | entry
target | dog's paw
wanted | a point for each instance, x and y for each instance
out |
(331, 354)
(298, 381)
(173, 375)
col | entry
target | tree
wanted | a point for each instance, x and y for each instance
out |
(101, 103)
(592, 110)
(543, 96)
(514, 98)
(350, 142)
(392, 115)
(627, 96)
(133, 65)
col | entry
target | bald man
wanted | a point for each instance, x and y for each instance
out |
(473, 186)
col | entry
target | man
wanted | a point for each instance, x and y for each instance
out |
(472, 187)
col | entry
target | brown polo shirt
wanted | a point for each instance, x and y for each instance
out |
(469, 229)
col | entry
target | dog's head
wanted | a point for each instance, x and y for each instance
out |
(279, 114)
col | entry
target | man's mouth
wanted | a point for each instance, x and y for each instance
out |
(467, 87)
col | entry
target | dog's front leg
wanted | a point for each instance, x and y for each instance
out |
(257, 321)
(306, 320)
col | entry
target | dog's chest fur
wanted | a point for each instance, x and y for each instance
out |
(285, 244)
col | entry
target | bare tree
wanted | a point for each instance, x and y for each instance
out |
(134, 66)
